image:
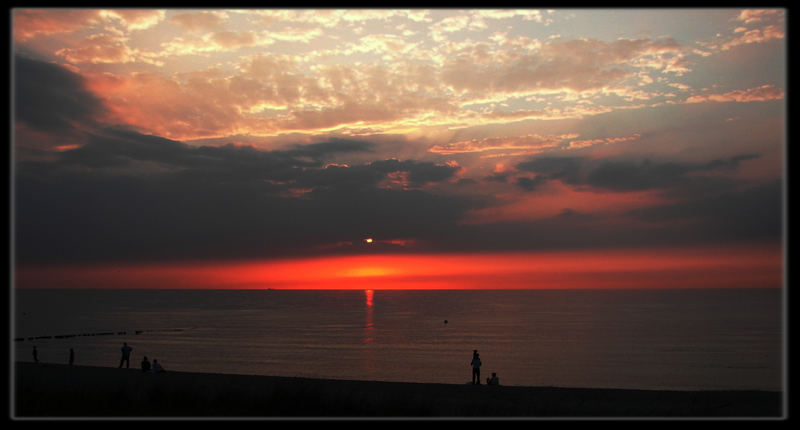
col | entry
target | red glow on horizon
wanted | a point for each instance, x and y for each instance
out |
(673, 268)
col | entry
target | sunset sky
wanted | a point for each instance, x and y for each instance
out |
(566, 148)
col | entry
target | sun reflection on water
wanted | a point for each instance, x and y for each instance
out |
(369, 326)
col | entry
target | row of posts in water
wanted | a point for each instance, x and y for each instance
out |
(67, 336)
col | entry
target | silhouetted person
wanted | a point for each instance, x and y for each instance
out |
(476, 369)
(71, 356)
(145, 364)
(157, 367)
(35, 355)
(474, 356)
(126, 356)
(494, 380)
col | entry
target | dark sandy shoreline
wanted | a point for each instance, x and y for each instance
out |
(55, 390)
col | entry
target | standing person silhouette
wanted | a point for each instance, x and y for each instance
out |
(126, 355)
(476, 368)
(474, 355)
(71, 356)
(35, 355)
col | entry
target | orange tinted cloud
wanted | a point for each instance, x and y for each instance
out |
(575, 64)
(758, 94)
(199, 22)
(749, 16)
(403, 70)
(531, 143)
(99, 49)
(188, 112)
(135, 19)
(390, 95)
(31, 23)
(757, 35)
(558, 198)
(576, 144)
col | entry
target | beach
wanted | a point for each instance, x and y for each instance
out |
(45, 390)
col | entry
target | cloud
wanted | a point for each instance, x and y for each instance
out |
(758, 94)
(394, 81)
(234, 40)
(526, 14)
(530, 143)
(524, 145)
(302, 35)
(621, 175)
(119, 193)
(457, 23)
(50, 98)
(758, 35)
(703, 212)
(752, 213)
(200, 22)
(129, 196)
(320, 150)
(585, 143)
(208, 44)
(531, 184)
(99, 49)
(749, 16)
(116, 147)
(124, 195)
(200, 103)
(419, 172)
(269, 94)
(577, 65)
(30, 23)
(135, 19)
(769, 25)
(566, 169)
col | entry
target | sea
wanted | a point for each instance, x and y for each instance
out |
(669, 339)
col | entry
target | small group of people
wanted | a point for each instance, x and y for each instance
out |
(71, 360)
(155, 367)
(125, 359)
(476, 371)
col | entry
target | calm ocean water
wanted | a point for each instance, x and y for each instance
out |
(663, 339)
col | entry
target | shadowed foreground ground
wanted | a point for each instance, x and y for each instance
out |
(54, 390)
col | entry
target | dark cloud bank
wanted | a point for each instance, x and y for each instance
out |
(124, 195)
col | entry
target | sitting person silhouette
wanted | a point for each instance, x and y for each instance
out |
(494, 380)
(145, 364)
